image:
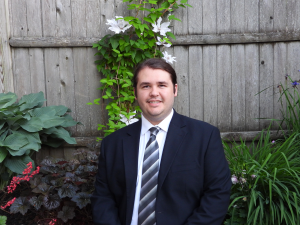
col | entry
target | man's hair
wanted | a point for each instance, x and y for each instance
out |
(155, 63)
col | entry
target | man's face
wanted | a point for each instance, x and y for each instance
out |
(155, 94)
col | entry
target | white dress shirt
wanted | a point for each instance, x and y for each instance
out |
(145, 135)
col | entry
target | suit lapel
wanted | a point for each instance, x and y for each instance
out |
(174, 139)
(130, 152)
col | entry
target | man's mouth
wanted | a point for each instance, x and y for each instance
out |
(153, 101)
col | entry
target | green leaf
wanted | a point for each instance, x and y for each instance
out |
(32, 137)
(149, 20)
(7, 99)
(53, 142)
(183, 1)
(61, 133)
(66, 213)
(60, 110)
(15, 141)
(171, 35)
(33, 125)
(172, 17)
(3, 154)
(32, 100)
(3, 220)
(114, 42)
(116, 51)
(17, 164)
(69, 121)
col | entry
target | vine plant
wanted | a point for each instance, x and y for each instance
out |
(136, 38)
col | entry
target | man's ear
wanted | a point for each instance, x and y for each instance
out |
(175, 89)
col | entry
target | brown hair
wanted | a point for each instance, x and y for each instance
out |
(155, 63)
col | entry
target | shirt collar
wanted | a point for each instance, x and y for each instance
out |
(164, 125)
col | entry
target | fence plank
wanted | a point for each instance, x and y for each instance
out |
(266, 84)
(195, 21)
(181, 27)
(93, 18)
(223, 88)
(292, 15)
(238, 87)
(214, 39)
(107, 12)
(196, 86)
(210, 81)
(280, 17)
(266, 15)
(6, 75)
(237, 16)
(223, 16)
(252, 16)
(209, 14)
(280, 70)
(181, 67)
(36, 55)
(252, 86)
(20, 56)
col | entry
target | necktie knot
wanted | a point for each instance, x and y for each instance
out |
(154, 131)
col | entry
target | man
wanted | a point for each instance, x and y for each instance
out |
(189, 180)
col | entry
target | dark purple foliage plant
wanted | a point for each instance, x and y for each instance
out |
(61, 190)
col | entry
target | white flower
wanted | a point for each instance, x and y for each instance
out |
(162, 42)
(253, 176)
(162, 28)
(128, 121)
(118, 26)
(234, 179)
(168, 58)
(242, 180)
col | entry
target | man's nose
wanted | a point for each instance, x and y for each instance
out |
(154, 91)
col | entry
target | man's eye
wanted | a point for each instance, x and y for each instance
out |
(162, 85)
(145, 86)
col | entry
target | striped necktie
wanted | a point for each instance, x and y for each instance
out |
(149, 181)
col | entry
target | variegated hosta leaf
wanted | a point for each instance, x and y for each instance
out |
(67, 190)
(66, 213)
(82, 199)
(21, 205)
(36, 202)
(51, 201)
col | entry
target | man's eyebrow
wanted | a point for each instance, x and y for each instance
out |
(144, 83)
(147, 83)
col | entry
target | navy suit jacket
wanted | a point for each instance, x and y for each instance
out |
(194, 180)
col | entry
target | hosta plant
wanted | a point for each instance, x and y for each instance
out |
(61, 190)
(266, 181)
(24, 126)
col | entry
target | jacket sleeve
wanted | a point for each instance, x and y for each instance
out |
(217, 185)
(104, 209)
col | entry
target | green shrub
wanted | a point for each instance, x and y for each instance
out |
(24, 126)
(266, 181)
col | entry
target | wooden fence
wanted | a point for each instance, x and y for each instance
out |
(227, 51)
